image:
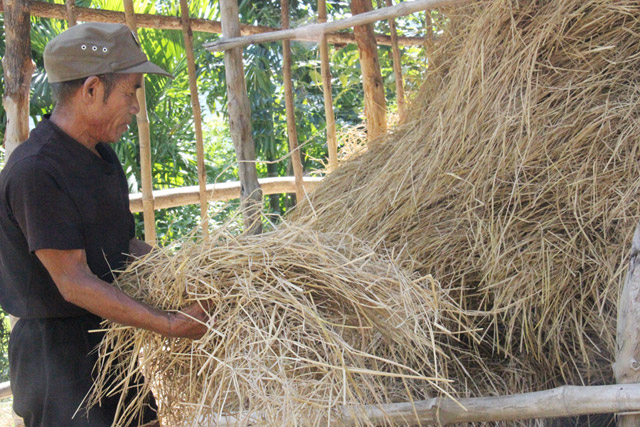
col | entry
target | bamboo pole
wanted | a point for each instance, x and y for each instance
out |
(428, 36)
(71, 15)
(221, 192)
(289, 104)
(397, 67)
(627, 365)
(43, 9)
(18, 69)
(565, 401)
(332, 140)
(197, 116)
(375, 105)
(240, 122)
(144, 136)
(315, 31)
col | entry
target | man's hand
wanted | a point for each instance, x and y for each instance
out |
(190, 322)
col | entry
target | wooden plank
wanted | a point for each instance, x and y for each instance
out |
(144, 139)
(292, 132)
(240, 122)
(57, 11)
(332, 140)
(315, 31)
(375, 105)
(197, 116)
(627, 365)
(397, 68)
(18, 69)
(183, 196)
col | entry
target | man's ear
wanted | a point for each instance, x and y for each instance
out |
(92, 89)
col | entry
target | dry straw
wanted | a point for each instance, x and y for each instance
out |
(515, 182)
(303, 325)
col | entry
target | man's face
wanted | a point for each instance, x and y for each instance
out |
(112, 119)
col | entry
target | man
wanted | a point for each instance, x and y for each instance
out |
(65, 225)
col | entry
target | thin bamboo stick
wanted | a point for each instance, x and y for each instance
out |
(314, 31)
(332, 141)
(289, 104)
(144, 134)
(397, 67)
(71, 14)
(197, 115)
(57, 11)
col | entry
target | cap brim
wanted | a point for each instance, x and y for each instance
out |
(145, 68)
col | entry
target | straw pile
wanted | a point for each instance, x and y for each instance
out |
(515, 183)
(302, 324)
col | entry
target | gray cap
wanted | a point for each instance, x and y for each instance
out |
(93, 49)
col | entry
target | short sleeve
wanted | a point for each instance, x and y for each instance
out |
(44, 211)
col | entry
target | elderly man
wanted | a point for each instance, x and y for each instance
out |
(65, 225)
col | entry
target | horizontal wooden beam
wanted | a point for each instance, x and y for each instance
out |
(565, 401)
(5, 389)
(144, 20)
(315, 31)
(171, 198)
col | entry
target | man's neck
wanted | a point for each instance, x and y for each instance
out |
(72, 124)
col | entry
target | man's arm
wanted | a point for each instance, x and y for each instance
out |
(79, 286)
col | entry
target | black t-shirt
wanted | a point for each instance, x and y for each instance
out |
(56, 194)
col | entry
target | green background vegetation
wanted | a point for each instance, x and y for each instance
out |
(170, 112)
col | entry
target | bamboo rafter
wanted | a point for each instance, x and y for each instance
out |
(315, 31)
(42, 9)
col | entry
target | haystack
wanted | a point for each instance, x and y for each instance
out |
(304, 325)
(515, 183)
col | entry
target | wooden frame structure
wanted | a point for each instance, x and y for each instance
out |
(562, 401)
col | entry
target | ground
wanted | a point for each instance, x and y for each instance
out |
(5, 413)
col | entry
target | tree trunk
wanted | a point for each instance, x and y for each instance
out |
(375, 107)
(627, 365)
(18, 68)
(240, 122)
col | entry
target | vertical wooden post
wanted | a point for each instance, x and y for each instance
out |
(375, 107)
(332, 141)
(397, 67)
(428, 37)
(197, 115)
(18, 69)
(289, 104)
(627, 364)
(144, 135)
(240, 121)
(71, 13)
